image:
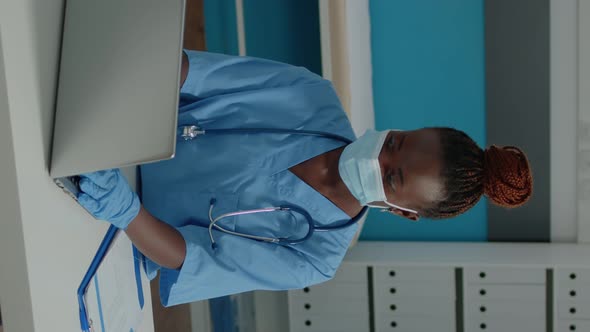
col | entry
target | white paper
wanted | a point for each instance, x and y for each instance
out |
(117, 290)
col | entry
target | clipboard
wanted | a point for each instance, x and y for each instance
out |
(110, 296)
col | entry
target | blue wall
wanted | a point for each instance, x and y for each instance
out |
(428, 70)
(221, 33)
(282, 30)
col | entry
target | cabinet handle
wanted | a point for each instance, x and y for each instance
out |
(306, 290)
(392, 290)
(482, 309)
(483, 326)
(393, 324)
(392, 273)
(482, 275)
(482, 292)
(572, 276)
(572, 311)
(393, 307)
(572, 327)
(307, 306)
(572, 293)
(308, 323)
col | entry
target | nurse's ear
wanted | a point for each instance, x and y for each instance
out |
(405, 214)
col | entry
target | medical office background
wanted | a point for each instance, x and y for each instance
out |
(495, 69)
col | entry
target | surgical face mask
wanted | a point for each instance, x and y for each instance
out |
(360, 170)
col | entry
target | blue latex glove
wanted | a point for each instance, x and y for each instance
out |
(107, 196)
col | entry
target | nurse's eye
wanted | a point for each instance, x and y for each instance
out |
(391, 182)
(391, 142)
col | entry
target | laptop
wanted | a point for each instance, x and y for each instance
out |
(118, 88)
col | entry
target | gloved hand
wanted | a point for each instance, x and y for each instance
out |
(107, 196)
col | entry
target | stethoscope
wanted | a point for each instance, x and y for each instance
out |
(191, 132)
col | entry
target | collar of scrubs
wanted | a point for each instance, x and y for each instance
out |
(307, 148)
(324, 212)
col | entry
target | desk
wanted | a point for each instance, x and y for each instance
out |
(46, 239)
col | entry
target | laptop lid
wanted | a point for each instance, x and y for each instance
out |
(118, 90)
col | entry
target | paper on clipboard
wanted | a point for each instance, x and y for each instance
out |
(114, 297)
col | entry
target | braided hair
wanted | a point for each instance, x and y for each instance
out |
(503, 174)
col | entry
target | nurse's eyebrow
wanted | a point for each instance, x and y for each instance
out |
(401, 176)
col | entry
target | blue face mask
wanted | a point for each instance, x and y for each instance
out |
(361, 172)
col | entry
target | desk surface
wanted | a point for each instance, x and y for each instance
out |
(46, 239)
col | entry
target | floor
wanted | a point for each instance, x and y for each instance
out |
(177, 318)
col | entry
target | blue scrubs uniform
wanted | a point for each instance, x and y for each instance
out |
(247, 171)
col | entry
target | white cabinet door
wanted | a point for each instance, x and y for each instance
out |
(341, 304)
(414, 299)
(572, 294)
(504, 299)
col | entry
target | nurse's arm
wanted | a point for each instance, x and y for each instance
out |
(157, 240)
(213, 74)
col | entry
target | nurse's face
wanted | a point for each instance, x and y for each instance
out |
(411, 167)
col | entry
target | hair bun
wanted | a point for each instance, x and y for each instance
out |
(508, 179)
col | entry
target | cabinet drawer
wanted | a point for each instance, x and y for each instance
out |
(414, 274)
(578, 292)
(414, 306)
(505, 324)
(416, 323)
(504, 275)
(327, 305)
(341, 291)
(329, 323)
(573, 310)
(482, 309)
(505, 292)
(572, 276)
(392, 290)
(564, 325)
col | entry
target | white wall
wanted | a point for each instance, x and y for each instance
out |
(46, 237)
(15, 299)
(358, 35)
(584, 120)
(345, 30)
(563, 119)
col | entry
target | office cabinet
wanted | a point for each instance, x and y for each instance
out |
(504, 299)
(503, 287)
(339, 305)
(409, 299)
